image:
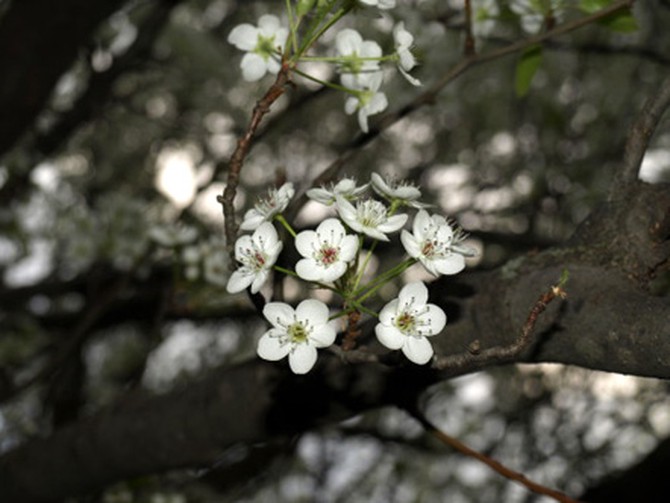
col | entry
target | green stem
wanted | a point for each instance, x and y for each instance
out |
(287, 226)
(292, 26)
(365, 264)
(368, 290)
(314, 37)
(288, 272)
(332, 85)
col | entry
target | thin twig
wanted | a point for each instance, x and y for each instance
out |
(469, 46)
(638, 140)
(237, 159)
(492, 463)
(478, 358)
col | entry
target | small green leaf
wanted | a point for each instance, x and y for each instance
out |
(591, 6)
(622, 22)
(526, 68)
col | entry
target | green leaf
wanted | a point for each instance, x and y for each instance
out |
(622, 22)
(591, 6)
(526, 68)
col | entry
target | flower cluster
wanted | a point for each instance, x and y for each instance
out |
(333, 258)
(270, 44)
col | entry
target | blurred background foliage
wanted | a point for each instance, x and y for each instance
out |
(137, 134)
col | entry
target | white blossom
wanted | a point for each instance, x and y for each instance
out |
(360, 59)
(327, 252)
(257, 254)
(345, 187)
(367, 101)
(403, 41)
(407, 321)
(436, 245)
(267, 208)
(404, 192)
(296, 333)
(262, 45)
(172, 235)
(369, 217)
(382, 4)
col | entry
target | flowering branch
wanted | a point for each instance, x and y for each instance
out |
(237, 159)
(491, 463)
(429, 96)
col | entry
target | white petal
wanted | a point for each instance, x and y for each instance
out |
(371, 49)
(331, 227)
(348, 41)
(348, 248)
(351, 105)
(363, 119)
(323, 336)
(390, 337)
(333, 272)
(452, 264)
(253, 67)
(412, 80)
(306, 242)
(430, 265)
(415, 293)
(418, 350)
(388, 312)
(410, 243)
(252, 219)
(266, 234)
(268, 24)
(244, 36)
(271, 348)
(239, 280)
(345, 209)
(436, 319)
(242, 244)
(421, 223)
(302, 358)
(407, 192)
(393, 223)
(273, 66)
(379, 185)
(321, 195)
(312, 310)
(259, 280)
(279, 314)
(308, 269)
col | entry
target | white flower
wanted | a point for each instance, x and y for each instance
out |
(369, 217)
(435, 244)
(404, 192)
(345, 187)
(262, 44)
(367, 101)
(172, 235)
(382, 4)
(296, 333)
(403, 41)
(405, 322)
(534, 14)
(327, 252)
(265, 210)
(359, 59)
(257, 254)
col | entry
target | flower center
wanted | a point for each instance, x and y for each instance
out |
(297, 332)
(265, 46)
(371, 213)
(328, 255)
(406, 322)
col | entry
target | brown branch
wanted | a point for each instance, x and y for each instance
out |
(469, 47)
(237, 159)
(477, 358)
(638, 140)
(491, 463)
